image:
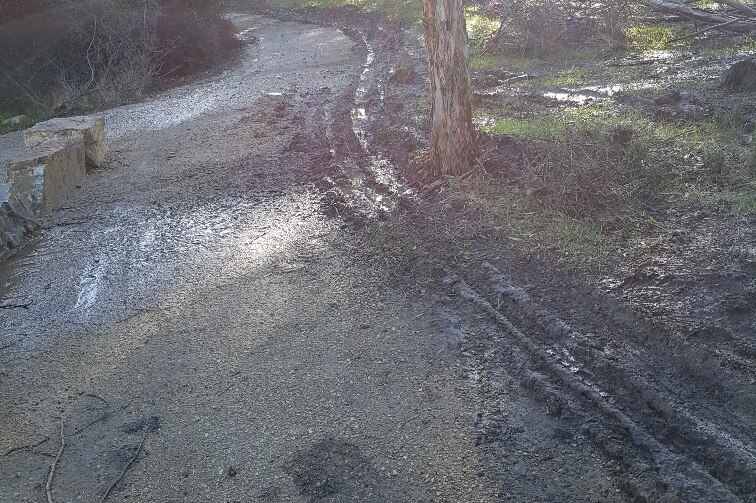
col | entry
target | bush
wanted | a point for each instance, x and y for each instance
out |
(545, 28)
(66, 57)
(198, 38)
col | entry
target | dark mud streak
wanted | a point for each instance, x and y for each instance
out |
(336, 470)
(701, 484)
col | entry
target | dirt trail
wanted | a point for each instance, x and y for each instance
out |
(195, 295)
(205, 295)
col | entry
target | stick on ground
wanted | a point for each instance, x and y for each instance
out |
(48, 486)
(123, 472)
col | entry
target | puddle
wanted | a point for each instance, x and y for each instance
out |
(136, 257)
(381, 171)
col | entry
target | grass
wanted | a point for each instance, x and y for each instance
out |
(587, 165)
(654, 37)
(722, 130)
(509, 212)
(569, 77)
(28, 121)
(742, 203)
(534, 127)
(489, 62)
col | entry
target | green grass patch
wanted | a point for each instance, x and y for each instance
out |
(742, 203)
(479, 26)
(487, 62)
(534, 127)
(654, 37)
(569, 77)
(510, 212)
(29, 120)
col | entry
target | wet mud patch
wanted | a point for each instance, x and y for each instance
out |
(336, 470)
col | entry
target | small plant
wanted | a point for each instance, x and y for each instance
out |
(655, 37)
(479, 26)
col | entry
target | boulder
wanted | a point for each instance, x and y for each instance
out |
(39, 181)
(89, 130)
(740, 77)
(16, 220)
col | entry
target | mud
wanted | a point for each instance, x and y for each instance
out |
(649, 359)
(194, 296)
(208, 293)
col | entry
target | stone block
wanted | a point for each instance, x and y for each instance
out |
(45, 175)
(89, 130)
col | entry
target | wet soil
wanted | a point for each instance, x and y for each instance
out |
(648, 353)
(251, 293)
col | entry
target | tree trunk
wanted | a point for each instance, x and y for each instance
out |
(451, 94)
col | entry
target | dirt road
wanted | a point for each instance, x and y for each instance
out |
(194, 296)
(200, 324)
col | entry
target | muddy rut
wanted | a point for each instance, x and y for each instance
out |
(205, 322)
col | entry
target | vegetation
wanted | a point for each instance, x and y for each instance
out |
(585, 155)
(64, 58)
(583, 145)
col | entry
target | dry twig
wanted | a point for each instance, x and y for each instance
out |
(123, 472)
(48, 486)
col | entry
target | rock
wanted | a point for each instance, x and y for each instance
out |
(89, 130)
(671, 97)
(41, 180)
(16, 220)
(740, 77)
(14, 121)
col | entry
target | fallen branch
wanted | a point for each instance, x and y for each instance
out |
(16, 306)
(739, 25)
(123, 472)
(99, 418)
(700, 32)
(48, 486)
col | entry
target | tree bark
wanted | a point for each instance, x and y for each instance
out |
(451, 92)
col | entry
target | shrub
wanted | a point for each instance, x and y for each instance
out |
(66, 57)
(546, 28)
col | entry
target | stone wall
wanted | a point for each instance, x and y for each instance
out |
(54, 161)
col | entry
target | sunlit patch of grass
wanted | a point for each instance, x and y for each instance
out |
(479, 26)
(29, 120)
(534, 127)
(489, 62)
(512, 213)
(570, 77)
(654, 37)
(743, 203)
